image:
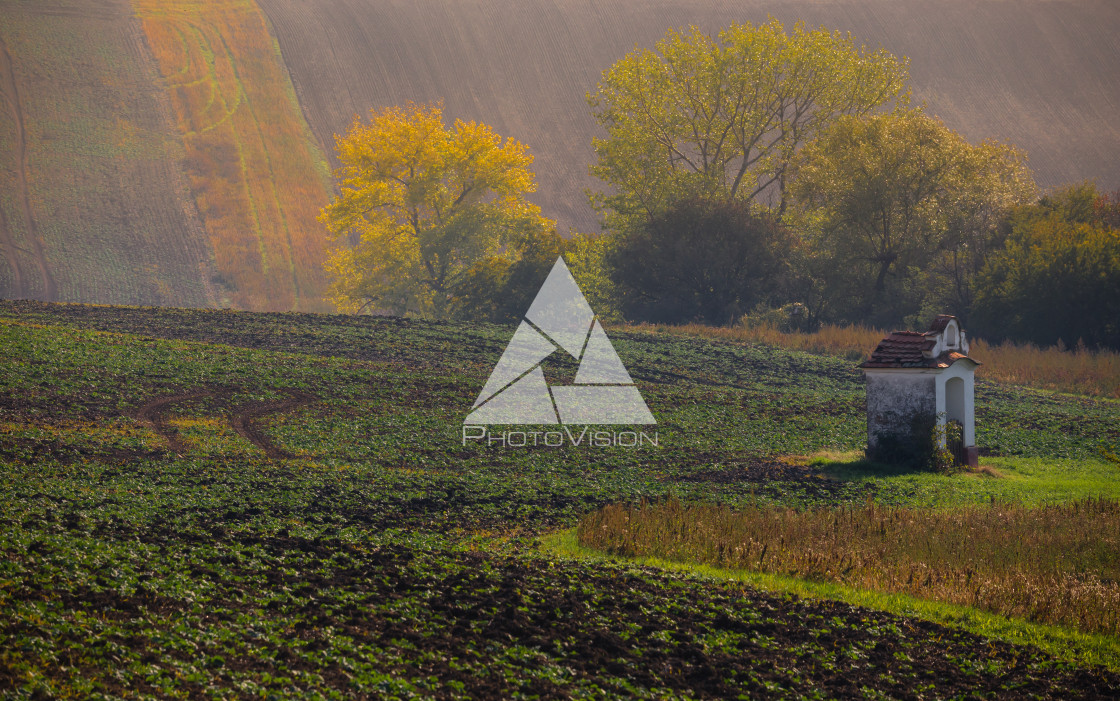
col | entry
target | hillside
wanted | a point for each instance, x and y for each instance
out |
(1037, 73)
(93, 203)
(175, 152)
(201, 502)
(257, 178)
(154, 153)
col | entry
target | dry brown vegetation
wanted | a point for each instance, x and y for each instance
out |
(1037, 73)
(255, 172)
(1080, 371)
(1051, 564)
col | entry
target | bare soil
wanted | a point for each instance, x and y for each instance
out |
(243, 421)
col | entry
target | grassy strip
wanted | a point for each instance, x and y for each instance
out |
(1062, 642)
(1028, 481)
(1078, 371)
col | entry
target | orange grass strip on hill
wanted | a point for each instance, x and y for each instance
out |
(1049, 564)
(256, 174)
(1080, 371)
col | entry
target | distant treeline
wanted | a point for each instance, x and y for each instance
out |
(759, 175)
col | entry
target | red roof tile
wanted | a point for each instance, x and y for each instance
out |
(906, 349)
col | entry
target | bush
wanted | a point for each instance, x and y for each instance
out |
(927, 445)
(499, 290)
(788, 318)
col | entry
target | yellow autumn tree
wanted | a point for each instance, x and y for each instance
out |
(419, 204)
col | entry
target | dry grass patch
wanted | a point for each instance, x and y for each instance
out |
(1080, 371)
(987, 471)
(1051, 564)
(823, 457)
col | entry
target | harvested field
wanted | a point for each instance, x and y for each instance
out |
(1037, 73)
(92, 206)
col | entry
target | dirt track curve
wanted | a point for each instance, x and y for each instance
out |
(241, 420)
(151, 414)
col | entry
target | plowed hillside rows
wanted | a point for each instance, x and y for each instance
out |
(92, 206)
(254, 169)
(1037, 73)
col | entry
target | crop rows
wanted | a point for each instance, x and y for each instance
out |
(90, 196)
(1080, 371)
(205, 503)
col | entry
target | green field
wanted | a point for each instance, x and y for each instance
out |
(212, 504)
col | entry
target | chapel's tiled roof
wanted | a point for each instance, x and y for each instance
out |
(910, 349)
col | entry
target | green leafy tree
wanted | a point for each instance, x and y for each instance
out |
(699, 261)
(721, 118)
(900, 211)
(995, 180)
(1058, 276)
(419, 204)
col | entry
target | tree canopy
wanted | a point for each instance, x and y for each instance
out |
(720, 118)
(419, 204)
(701, 260)
(1058, 277)
(743, 171)
(500, 288)
(899, 211)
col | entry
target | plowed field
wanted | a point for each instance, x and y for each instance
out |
(92, 204)
(1037, 73)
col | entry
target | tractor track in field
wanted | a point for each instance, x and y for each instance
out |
(242, 418)
(151, 414)
(22, 289)
(7, 240)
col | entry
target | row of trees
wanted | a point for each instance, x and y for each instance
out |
(745, 172)
(1057, 275)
